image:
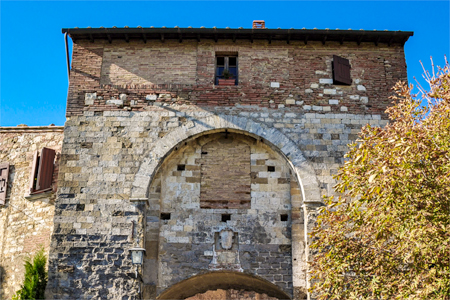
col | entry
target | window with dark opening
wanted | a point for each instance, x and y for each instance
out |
(41, 176)
(341, 71)
(226, 69)
(283, 217)
(165, 216)
(226, 217)
(270, 168)
(181, 167)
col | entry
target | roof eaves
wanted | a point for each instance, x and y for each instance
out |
(240, 33)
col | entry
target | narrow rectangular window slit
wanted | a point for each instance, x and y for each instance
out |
(270, 169)
(165, 216)
(283, 217)
(226, 217)
(181, 167)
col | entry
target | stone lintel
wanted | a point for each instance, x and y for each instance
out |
(138, 199)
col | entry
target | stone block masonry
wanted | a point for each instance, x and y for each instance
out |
(25, 224)
(96, 226)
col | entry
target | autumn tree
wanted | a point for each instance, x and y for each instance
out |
(388, 236)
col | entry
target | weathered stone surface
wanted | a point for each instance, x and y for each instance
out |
(89, 98)
(364, 100)
(290, 101)
(361, 88)
(326, 81)
(333, 102)
(25, 224)
(151, 97)
(118, 102)
(177, 186)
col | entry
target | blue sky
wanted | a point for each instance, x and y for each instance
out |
(33, 84)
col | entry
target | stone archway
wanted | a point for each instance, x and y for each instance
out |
(281, 143)
(225, 281)
(231, 294)
(273, 138)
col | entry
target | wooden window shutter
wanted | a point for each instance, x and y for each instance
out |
(4, 172)
(45, 172)
(33, 173)
(341, 71)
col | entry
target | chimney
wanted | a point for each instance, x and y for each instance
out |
(259, 24)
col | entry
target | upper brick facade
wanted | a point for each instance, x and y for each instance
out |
(183, 73)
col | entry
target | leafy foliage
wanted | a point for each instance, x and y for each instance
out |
(35, 277)
(388, 235)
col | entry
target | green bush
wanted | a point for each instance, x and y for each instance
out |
(36, 277)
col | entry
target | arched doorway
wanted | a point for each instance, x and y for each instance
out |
(224, 281)
(188, 226)
(231, 294)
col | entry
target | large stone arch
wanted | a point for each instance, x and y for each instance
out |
(222, 280)
(302, 170)
(276, 139)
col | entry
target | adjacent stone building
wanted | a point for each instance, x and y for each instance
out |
(26, 216)
(211, 149)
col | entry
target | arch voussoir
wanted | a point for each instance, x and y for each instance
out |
(303, 170)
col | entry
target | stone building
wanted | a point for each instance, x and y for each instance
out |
(211, 149)
(26, 216)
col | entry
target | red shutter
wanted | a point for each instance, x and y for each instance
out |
(4, 171)
(45, 172)
(341, 70)
(33, 172)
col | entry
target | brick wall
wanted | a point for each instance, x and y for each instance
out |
(183, 73)
(146, 64)
(25, 224)
(225, 174)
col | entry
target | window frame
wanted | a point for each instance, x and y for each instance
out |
(42, 168)
(341, 71)
(226, 66)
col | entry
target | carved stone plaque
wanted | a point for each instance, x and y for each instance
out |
(226, 251)
(226, 239)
